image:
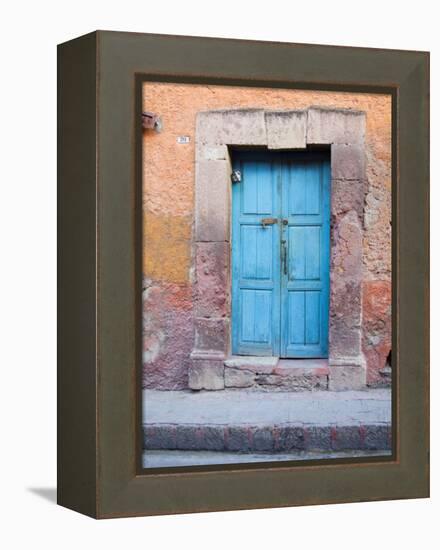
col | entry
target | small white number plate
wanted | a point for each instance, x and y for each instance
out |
(183, 139)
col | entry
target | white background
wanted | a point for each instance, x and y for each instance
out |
(29, 34)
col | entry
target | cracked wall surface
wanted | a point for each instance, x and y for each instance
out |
(172, 313)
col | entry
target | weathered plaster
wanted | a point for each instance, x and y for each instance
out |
(376, 342)
(167, 334)
(166, 240)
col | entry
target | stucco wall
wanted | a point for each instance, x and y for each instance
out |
(168, 214)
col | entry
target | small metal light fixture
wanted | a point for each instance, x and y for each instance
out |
(236, 176)
(151, 121)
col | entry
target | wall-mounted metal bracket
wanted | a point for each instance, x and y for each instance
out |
(151, 121)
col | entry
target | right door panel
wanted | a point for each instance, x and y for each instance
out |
(305, 253)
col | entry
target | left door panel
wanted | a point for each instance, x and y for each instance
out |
(255, 256)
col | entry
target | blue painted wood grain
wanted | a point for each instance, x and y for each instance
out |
(255, 258)
(305, 286)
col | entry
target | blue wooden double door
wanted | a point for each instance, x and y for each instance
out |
(280, 253)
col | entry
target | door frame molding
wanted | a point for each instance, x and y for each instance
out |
(343, 130)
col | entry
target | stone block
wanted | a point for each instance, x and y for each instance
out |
(212, 438)
(344, 340)
(211, 152)
(273, 380)
(378, 437)
(160, 437)
(347, 195)
(326, 126)
(318, 438)
(348, 162)
(346, 438)
(232, 127)
(344, 377)
(213, 190)
(346, 311)
(255, 364)
(238, 378)
(303, 383)
(290, 438)
(345, 287)
(237, 438)
(206, 374)
(212, 275)
(303, 367)
(187, 438)
(211, 334)
(262, 440)
(286, 129)
(346, 254)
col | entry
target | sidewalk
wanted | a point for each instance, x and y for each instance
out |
(250, 421)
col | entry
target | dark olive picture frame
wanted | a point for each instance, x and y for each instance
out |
(99, 273)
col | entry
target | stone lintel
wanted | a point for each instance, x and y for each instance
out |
(286, 129)
(232, 127)
(327, 126)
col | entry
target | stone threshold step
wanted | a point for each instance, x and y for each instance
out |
(270, 438)
(274, 373)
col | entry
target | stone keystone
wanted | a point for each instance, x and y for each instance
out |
(286, 129)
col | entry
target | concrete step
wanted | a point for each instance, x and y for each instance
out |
(252, 421)
(273, 373)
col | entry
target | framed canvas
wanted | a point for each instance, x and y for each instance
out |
(243, 269)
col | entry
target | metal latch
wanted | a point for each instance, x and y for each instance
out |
(268, 221)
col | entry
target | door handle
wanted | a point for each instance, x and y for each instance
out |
(284, 256)
(268, 221)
